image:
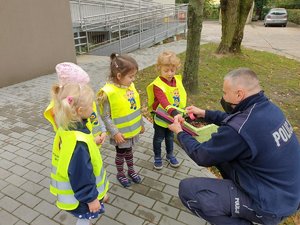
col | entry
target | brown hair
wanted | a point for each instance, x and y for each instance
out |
(122, 64)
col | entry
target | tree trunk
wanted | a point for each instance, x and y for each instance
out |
(191, 66)
(234, 16)
(245, 6)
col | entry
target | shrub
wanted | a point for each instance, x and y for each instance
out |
(294, 15)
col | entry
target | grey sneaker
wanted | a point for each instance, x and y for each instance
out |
(158, 163)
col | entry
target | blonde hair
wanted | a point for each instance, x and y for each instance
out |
(67, 99)
(168, 58)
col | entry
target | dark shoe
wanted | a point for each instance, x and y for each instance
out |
(124, 181)
(173, 161)
(135, 178)
(158, 163)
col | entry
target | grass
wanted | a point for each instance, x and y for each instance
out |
(279, 77)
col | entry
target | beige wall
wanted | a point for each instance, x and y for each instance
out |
(35, 35)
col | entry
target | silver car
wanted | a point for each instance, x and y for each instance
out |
(276, 16)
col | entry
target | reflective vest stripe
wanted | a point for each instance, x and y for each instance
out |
(127, 118)
(67, 199)
(61, 185)
(131, 128)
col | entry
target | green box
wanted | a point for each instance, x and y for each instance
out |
(204, 133)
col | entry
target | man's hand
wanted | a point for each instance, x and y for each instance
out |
(197, 111)
(176, 125)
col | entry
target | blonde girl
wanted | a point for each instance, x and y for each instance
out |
(120, 109)
(78, 177)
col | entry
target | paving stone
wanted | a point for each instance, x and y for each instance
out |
(41, 220)
(16, 180)
(31, 187)
(34, 166)
(18, 170)
(124, 204)
(148, 214)
(3, 183)
(3, 172)
(10, 148)
(166, 209)
(171, 190)
(176, 202)
(8, 155)
(33, 176)
(25, 213)
(65, 218)
(9, 204)
(23, 153)
(12, 191)
(46, 195)
(169, 180)
(111, 211)
(159, 196)
(190, 219)
(49, 210)
(21, 161)
(29, 199)
(129, 219)
(142, 200)
(121, 191)
(104, 220)
(153, 183)
(7, 218)
(150, 174)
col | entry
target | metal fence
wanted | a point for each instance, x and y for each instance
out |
(139, 26)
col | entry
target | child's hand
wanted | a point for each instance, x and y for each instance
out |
(176, 125)
(100, 138)
(94, 206)
(119, 138)
(142, 130)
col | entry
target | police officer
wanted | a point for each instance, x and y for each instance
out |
(256, 152)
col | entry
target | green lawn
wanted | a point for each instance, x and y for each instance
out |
(279, 76)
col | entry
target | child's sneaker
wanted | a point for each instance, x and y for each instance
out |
(158, 163)
(124, 181)
(173, 161)
(135, 177)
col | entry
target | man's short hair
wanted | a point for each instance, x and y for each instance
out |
(243, 77)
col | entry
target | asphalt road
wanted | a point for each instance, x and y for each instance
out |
(280, 40)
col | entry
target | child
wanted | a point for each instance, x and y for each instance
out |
(167, 93)
(121, 112)
(71, 73)
(78, 177)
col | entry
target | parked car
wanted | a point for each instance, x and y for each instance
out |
(276, 16)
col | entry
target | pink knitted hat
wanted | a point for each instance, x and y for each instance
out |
(68, 72)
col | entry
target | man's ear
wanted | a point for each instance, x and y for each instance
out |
(241, 94)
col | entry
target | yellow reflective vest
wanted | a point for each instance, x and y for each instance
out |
(175, 95)
(63, 147)
(92, 121)
(125, 109)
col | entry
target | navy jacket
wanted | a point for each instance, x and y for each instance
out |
(262, 149)
(81, 174)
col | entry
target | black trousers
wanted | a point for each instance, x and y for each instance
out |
(221, 202)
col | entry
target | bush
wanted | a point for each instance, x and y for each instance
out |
(294, 15)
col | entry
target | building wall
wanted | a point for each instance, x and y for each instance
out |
(35, 36)
(165, 1)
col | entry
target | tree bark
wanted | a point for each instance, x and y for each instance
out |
(245, 6)
(191, 66)
(234, 16)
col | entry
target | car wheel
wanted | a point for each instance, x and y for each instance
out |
(284, 25)
(266, 25)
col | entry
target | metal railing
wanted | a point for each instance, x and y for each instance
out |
(127, 30)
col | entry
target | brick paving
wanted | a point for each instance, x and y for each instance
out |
(25, 160)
